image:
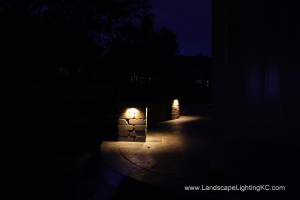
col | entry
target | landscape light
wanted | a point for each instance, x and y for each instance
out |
(132, 110)
(175, 102)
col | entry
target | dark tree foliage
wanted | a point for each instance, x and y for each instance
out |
(36, 35)
(144, 56)
(166, 50)
(112, 40)
(205, 62)
(129, 52)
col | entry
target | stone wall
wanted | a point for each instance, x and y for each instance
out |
(175, 109)
(132, 124)
(163, 111)
(133, 117)
(158, 112)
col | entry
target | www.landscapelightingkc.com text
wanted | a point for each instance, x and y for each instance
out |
(241, 188)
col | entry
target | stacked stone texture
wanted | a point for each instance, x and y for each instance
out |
(175, 111)
(132, 127)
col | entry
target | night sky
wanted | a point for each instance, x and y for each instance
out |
(190, 20)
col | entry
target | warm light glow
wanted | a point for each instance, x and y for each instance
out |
(132, 111)
(175, 103)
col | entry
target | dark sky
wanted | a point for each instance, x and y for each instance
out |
(190, 20)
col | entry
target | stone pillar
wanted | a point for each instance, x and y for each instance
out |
(175, 109)
(132, 124)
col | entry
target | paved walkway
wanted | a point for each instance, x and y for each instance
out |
(176, 154)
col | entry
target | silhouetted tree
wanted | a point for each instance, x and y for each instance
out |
(205, 62)
(142, 55)
(166, 50)
(44, 33)
(129, 52)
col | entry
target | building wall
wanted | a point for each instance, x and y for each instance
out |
(256, 69)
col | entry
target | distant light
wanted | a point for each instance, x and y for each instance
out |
(132, 110)
(175, 103)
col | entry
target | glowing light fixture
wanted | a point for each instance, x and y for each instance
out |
(132, 110)
(175, 103)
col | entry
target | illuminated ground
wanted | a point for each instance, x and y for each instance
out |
(69, 167)
(170, 158)
(176, 154)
